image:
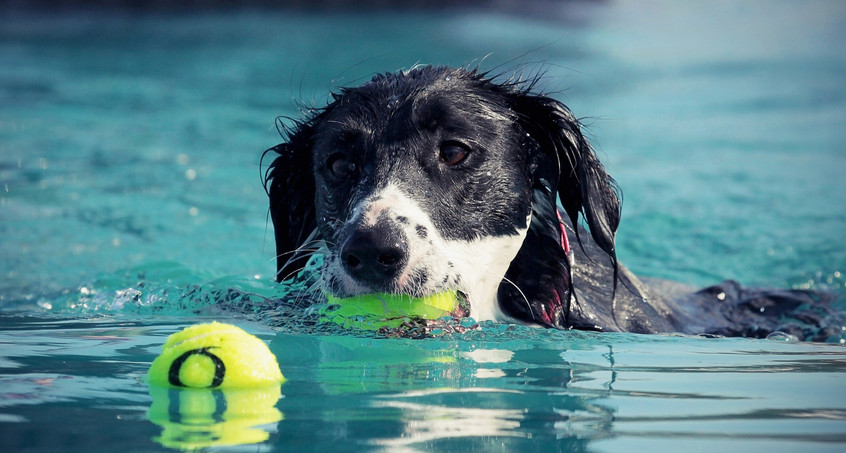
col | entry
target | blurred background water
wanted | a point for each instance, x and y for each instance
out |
(131, 196)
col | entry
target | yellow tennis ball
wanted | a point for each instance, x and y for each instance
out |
(214, 355)
(373, 311)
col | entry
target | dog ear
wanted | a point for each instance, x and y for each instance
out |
(567, 161)
(289, 183)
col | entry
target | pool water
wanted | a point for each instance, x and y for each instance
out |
(131, 204)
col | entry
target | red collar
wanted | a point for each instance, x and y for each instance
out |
(565, 242)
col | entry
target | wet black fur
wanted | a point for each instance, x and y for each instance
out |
(544, 160)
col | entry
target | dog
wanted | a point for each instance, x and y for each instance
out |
(440, 178)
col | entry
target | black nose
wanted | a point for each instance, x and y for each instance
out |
(375, 254)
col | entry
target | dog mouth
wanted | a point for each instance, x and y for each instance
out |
(415, 283)
(413, 280)
(382, 259)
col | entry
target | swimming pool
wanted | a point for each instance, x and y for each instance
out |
(131, 199)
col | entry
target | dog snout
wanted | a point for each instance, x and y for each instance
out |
(375, 254)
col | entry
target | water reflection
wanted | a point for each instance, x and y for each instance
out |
(563, 391)
(429, 422)
(442, 394)
(200, 418)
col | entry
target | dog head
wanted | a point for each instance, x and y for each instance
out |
(435, 179)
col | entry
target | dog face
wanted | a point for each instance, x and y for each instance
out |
(420, 185)
(430, 180)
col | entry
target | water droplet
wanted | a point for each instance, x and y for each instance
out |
(782, 336)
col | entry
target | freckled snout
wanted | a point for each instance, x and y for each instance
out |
(375, 254)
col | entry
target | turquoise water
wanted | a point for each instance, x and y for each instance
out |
(131, 201)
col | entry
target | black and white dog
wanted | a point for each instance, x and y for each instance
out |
(440, 179)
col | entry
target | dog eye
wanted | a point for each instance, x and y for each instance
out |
(340, 166)
(453, 153)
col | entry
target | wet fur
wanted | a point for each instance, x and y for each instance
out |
(488, 226)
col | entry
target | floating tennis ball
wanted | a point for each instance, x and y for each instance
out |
(212, 356)
(373, 311)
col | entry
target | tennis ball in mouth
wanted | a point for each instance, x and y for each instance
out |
(214, 355)
(373, 311)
